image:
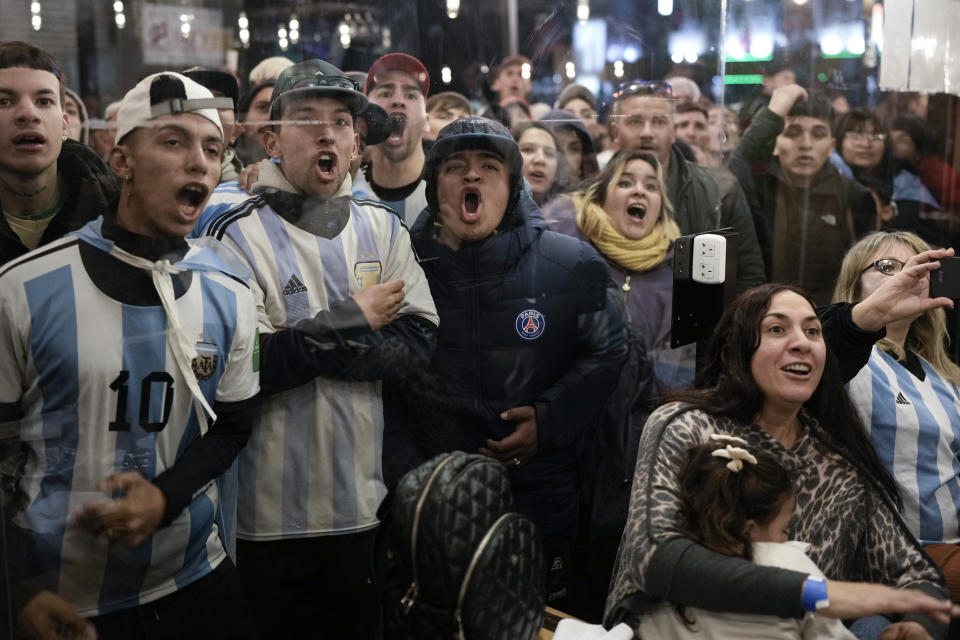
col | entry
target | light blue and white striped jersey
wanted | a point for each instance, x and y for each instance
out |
(223, 199)
(313, 464)
(408, 209)
(101, 393)
(915, 428)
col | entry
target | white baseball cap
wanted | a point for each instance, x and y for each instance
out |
(167, 93)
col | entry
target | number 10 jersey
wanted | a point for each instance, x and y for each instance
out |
(99, 393)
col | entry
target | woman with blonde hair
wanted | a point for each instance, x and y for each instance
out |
(626, 215)
(908, 398)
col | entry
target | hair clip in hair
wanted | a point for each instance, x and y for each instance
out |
(722, 437)
(736, 456)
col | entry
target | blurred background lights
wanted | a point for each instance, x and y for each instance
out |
(761, 45)
(294, 25)
(185, 20)
(583, 10)
(35, 20)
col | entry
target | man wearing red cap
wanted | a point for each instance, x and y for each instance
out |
(399, 84)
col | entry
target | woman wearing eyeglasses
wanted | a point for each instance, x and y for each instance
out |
(865, 154)
(908, 398)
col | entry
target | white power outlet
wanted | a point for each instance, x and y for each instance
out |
(709, 258)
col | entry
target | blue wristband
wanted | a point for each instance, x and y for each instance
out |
(815, 594)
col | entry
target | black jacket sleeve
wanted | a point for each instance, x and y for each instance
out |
(338, 343)
(566, 407)
(207, 458)
(736, 585)
(849, 343)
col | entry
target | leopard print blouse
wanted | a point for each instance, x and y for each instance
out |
(854, 533)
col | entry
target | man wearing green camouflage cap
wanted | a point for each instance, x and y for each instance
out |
(345, 304)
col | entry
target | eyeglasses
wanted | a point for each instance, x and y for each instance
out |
(886, 266)
(872, 137)
(643, 88)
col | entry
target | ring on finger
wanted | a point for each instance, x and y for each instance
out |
(517, 461)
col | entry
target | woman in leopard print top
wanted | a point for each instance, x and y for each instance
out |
(770, 382)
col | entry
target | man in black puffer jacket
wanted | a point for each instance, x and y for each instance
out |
(531, 335)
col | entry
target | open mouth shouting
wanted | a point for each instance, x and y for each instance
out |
(637, 211)
(190, 198)
(326, 166)
(29, 141)
(398, 124)
(470, 211)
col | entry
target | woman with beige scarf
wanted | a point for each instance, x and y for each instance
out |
(625, 214)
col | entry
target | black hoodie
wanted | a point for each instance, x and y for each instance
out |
(90, 187)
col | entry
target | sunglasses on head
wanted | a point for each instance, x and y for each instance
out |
(643, 88)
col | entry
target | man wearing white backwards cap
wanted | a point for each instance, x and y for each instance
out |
(128, 362)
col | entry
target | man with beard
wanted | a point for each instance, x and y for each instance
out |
(642, 119)
(253, 109)
(399, 84)
(344, 305)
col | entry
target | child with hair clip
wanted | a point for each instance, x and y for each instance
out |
(738, 503)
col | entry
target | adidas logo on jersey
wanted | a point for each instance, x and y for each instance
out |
(294, 286)
(902, 399)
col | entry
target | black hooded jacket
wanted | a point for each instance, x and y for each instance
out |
(491, 356)
(90, 187)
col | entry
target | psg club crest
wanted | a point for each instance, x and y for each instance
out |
(530, 324)
(205, 364)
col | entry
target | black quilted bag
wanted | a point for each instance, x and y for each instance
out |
(462, 565)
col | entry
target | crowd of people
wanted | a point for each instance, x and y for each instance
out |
(232, 318)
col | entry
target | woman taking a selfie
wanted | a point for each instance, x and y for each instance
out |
(909, 401)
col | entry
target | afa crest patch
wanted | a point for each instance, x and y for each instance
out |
(530, 324)
(367, 273)
(205, 364)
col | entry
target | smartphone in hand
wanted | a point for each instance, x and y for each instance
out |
(945, 281)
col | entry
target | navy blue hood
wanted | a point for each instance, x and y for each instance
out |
(474, 132)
